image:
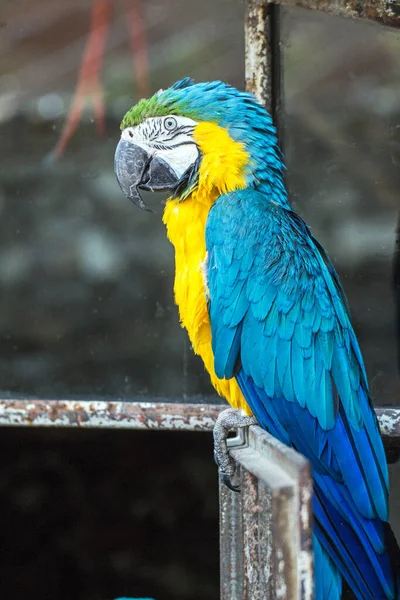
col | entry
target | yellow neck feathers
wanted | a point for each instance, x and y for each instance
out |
(224, 161)
(223, 169)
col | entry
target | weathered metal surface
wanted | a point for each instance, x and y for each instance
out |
(266, 530)
(263, 57)
(385, 12)
(258, 51)
(272, 521)
(119, 415)
(389, 423)
(139, 415)
(296, 467)
(231, 544)
(258, 511)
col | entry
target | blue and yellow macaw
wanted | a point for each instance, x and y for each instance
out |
(264, 308)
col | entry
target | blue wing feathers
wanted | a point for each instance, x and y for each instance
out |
(370, 530)
(372, 429)
(329, 585)
(280, 324)
(226, 352)
(346, 551)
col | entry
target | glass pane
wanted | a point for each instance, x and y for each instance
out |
(86, 305)
(341, 138)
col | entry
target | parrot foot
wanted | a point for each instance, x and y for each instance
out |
(228, 420)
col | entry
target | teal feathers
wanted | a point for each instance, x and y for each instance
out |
(281, 326)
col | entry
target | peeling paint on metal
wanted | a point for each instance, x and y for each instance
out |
(276, 493)
(305, 567)
(258, 51)
(306, 493)
(389, 422)
(385, 12)
(102, 414)
(280, 575)
(143, 415)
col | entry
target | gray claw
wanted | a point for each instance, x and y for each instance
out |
(226, 480)
(228, 420)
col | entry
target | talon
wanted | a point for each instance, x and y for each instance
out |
(227, 421)
(226, 480)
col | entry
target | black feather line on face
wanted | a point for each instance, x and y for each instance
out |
(185, 129)
(161, 146)
(154, 131)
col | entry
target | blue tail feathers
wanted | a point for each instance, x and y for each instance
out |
(363, 549)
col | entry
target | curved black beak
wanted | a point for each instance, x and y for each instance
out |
(135, 168)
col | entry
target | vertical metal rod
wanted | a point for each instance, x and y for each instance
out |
(263, 56)
(231, 544)
(258, 51)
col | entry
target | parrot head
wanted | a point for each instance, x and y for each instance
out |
(205, 135)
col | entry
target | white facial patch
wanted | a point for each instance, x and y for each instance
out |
(170, 138)
(179, 158)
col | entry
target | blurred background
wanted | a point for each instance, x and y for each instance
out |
(86, 305)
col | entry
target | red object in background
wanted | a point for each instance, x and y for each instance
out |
(89, 87)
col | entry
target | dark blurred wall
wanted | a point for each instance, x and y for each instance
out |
(89, 515)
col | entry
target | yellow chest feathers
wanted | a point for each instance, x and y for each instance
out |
(222, 170)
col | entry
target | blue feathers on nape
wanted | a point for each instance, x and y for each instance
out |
(178, 85)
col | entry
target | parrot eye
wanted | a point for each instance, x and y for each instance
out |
(170, 124)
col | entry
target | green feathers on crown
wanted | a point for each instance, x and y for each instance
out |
(163, 103)
(146, 107)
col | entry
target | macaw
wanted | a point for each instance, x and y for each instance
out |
(264, 308)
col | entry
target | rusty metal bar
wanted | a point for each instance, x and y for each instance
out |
(139, 415)
(110, 415)
(385, 12)
(266, 533)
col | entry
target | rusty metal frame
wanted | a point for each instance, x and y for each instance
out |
(144, 415)
(266, 530)
(102, 414)
(385, 12)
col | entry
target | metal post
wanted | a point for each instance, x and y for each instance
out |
(266, 531)
(263, 57)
